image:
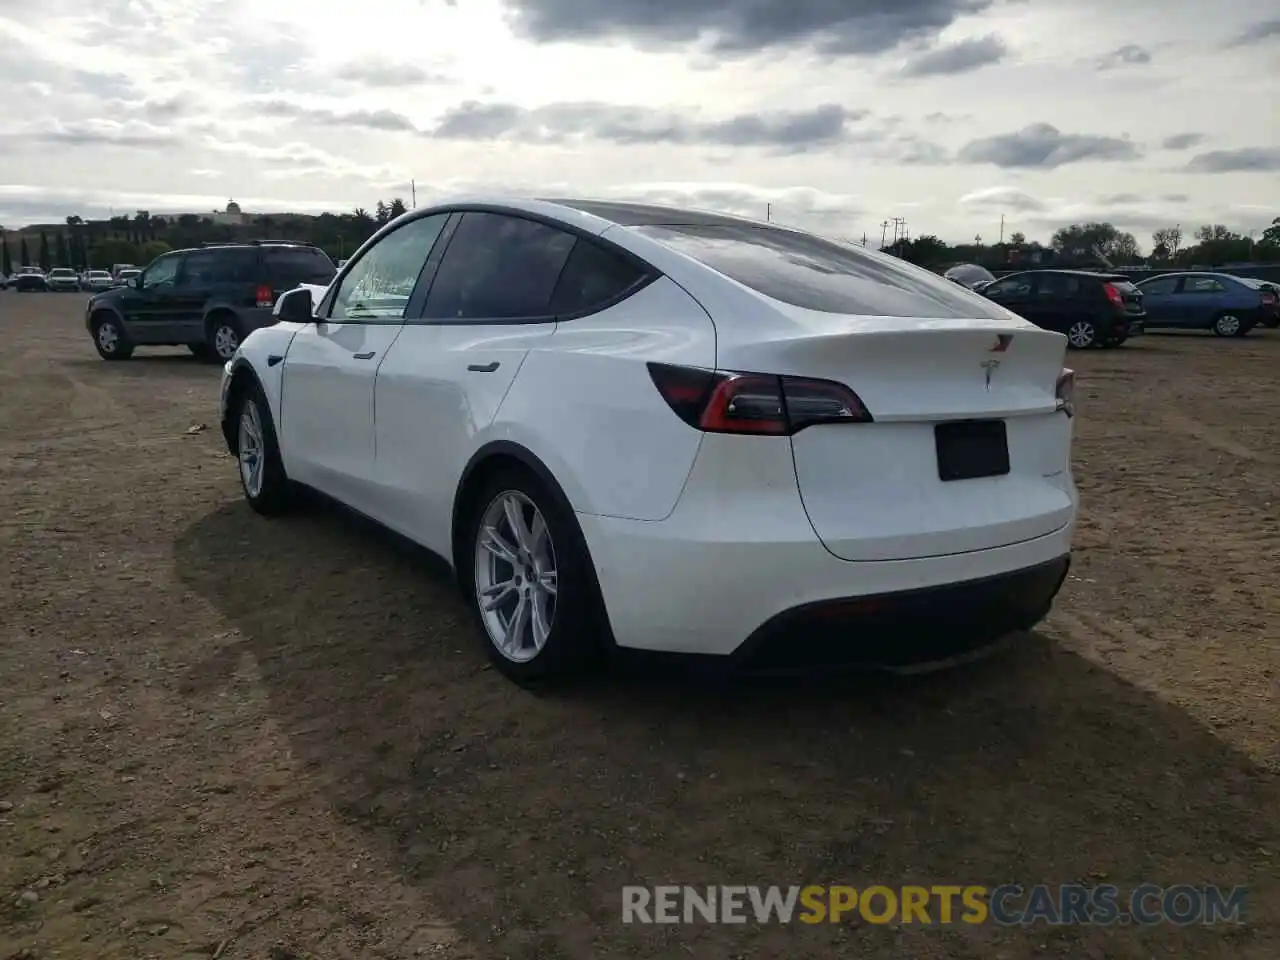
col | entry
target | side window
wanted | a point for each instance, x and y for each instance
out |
(1202, 285)
(591, 277)
(1010, 287)
(1160, 286)
(198, 269)
(498, 267)
(289, 266)
(162, 271)
(1057, 286)
(378, 285)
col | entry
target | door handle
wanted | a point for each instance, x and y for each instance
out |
(483, 367)
(363, 356)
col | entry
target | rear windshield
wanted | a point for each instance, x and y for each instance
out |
(62, 272)
(1124, 286)
(293, 265)
(807, 271)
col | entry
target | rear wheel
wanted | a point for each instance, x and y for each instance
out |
(1082, 334)
(109, 338)
(222, 337)
(529, 582)
(1227, 325)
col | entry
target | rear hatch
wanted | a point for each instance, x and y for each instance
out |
(1130, 295)
(967, 450)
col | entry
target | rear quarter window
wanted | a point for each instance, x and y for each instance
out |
(290, 266)
(806, 271)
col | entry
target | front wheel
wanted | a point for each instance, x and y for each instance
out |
(109, 338)
(1082, 334)
(529, 581)
(262, 476)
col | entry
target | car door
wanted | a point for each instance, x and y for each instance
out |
(489, 303)
(1198, 300)
(1056, 302)
(1013, 292)
(327, 403)
(1159, 300)
(193, 289)
(149, 308)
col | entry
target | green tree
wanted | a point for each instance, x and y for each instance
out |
(1018, 239)
(1270, 238)
(6, 258)
(381, 213)
(1085, 240)
(395, 208)
(64, 253)
(46, 258)
(23, 256)
(150, 250)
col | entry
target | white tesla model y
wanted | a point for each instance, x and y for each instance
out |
(673, 430)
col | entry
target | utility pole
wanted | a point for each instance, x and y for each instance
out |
(413, 193)
(898, 224)
(768, 212)
(1002, 228)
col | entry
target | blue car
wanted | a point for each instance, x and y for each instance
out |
(1203, 301)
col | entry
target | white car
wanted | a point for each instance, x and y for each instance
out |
(672, 430)
(96, 280)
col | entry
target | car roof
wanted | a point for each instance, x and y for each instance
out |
(1092, 274)
(256, 245)
(632, 214)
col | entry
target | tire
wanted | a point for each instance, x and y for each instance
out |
(572, 615)
(109, 337)
(1082, 334)
(262, 476)
(222, 337)
(1228, 325)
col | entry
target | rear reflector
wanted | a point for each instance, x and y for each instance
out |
(1113, 294)
(264, 296)
(754, 403)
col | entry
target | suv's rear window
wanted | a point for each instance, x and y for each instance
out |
(290, 266)
(816, 274)
(1125, 287)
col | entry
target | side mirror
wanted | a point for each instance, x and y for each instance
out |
(136, 282)
(295, 306)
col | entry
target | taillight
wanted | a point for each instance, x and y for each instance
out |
(1065, 391)
(754, 403)
(1268, 298)
(264, 296)
(1113, 294)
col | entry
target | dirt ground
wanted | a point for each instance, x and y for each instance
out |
(222, 736)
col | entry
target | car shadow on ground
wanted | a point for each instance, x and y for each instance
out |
(522, 815)
(147, 364)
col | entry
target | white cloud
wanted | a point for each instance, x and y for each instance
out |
(835, 117)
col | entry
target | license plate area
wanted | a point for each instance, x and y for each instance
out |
(970, 449)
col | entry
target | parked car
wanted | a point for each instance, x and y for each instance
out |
(1092, 309)
(207, 299)
(95, 280)
(1205, 301)
(63, 279)
(1270, 300)
(29, 280)
(125, 277)
(971, 275)
(118, 268)
(671, 430)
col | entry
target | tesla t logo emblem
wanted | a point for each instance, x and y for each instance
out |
(989, 366)
(1002, 342)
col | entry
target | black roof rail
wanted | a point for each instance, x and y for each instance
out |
(258, 243)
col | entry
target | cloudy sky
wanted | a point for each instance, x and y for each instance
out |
(838, 113)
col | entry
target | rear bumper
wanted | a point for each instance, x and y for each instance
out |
(908, 626)
(739, 559)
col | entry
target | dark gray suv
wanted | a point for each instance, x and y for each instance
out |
(207, 299)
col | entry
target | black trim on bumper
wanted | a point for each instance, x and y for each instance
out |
(905, 627)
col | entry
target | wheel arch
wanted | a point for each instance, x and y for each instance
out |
(492, 456)
(243, 377)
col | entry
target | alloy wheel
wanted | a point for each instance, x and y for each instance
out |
(108, 336)
(1081, 335)
(250, 449)
(1227, 325)
(515, 576)
(225, 341)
